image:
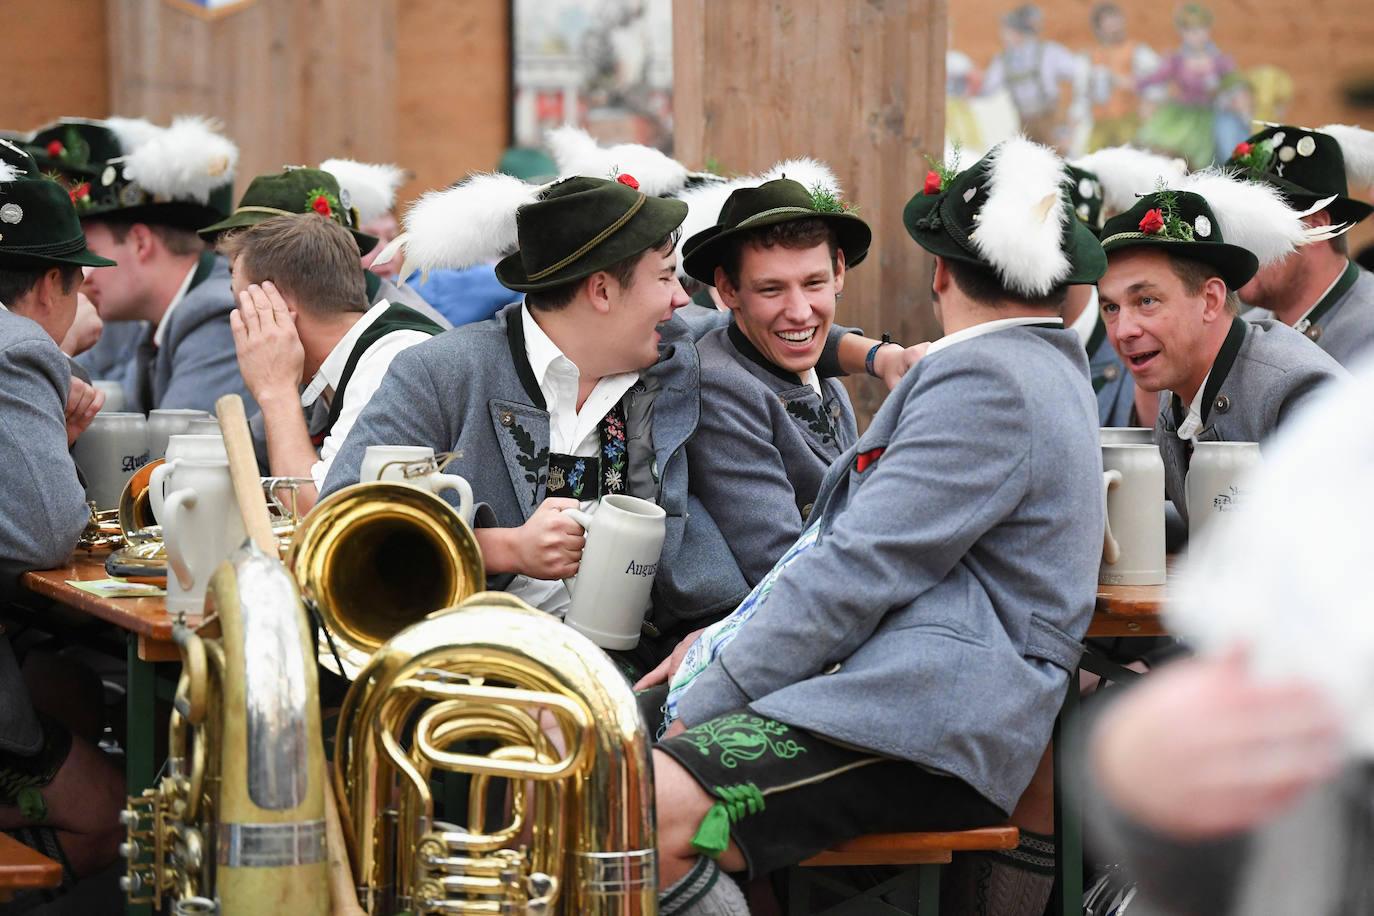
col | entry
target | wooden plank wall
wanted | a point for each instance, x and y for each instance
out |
(857, 85)
(56, 61)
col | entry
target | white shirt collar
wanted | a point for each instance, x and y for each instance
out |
(326, 380)
(1087, 321)
(161, 330)
(1192, 424)
(987, 327)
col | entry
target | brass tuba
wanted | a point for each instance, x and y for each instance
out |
(557, 725)
(236, 824)
(375, 557)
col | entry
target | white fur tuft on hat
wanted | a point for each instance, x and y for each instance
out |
(1021, 225)
(130, 132)
(185, 161)
(807, 172)
(1127, 173)
(1253, 215)
(576, 152)
(1357, 148)
(371, 186)
(471, 223)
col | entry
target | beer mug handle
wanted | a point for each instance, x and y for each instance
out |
(176, 557)
(157, 485)
(585, 521)
(1111, 550)
(439, 482)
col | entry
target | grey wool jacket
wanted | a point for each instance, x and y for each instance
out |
(1112, 383)
(765, 440)
(1264, 372)
(196, 363)
(1345, 327)
(44, 509)
(471, 390)
(939, 614)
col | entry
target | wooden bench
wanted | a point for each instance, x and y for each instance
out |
(22, 868)
(926, 852)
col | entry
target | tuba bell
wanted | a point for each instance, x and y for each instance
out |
(236, 824)
(499, 691)
(375, 557)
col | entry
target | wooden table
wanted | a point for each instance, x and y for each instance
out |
(1129, 610)
(22, 868)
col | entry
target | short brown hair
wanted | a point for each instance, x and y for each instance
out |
(557, 297)
(796, 234)
(15, 283)
(1194, 275)
(312, 260)
(983, 286)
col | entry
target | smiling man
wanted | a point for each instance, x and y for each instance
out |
(1169, 303)
(770, 426)
(585, 388)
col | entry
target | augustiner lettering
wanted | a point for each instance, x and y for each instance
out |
(641, 569)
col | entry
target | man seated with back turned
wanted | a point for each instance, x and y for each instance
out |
(53, 783)
(770, 426)
(1174, 263)
(902, 665)
(585, 388)
(303, 314)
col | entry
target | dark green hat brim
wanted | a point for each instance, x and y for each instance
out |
(1235, 265)
(1342, 210)
(1087, 262)
(564, 260)
(83, 257)
(705, 251)
(241, 219)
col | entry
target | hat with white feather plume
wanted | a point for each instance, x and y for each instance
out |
(136, 171)
(369, 186)
(1124, 173)
(1208, 216)
(1008, 215)
(1308, 165)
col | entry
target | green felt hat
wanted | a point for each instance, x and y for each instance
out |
(1181, 223)
(1018, 185)
(292, 191)
(128, 170)
(779, 201)
(38, 223)
(1085, 196)
(1306, 165)
(581, 225)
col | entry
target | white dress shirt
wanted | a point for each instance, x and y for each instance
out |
(367, 376)
(571, 432)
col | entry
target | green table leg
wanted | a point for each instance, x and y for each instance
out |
(140, 744)
(1068, 811)
(928, 901)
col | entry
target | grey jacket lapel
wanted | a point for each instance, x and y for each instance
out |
(523, 433)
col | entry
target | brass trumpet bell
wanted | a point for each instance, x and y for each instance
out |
(135, 506)
(377, 557)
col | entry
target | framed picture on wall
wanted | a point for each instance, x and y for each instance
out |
(606, 65)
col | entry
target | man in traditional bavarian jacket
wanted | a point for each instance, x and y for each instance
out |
(303, 315)
(770, 425)
(142, 191)
(1168, 298)
(902, 665)
(1317, 290)
(587, 387)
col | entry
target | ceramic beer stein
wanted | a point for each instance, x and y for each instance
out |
(108, 452)
(611, 588)
(186, 445)
(165, 422)
(114, 395)
(1127, 435)
(201, 525)
(415, 465)
(1133, 547)
(1215, 482)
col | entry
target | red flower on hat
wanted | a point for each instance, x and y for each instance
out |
(55, 149)
(321, 206)
(932, 185)
(1151, 222)
(628, 180)
(80, 193)
(1242, 150)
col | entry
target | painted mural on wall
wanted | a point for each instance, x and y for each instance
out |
(1183, 95)
(606, 65)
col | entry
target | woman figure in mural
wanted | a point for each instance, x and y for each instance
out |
(1182, 126)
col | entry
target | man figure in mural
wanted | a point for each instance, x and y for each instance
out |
(1182, 126)
(1032, 70)
(1115, 65)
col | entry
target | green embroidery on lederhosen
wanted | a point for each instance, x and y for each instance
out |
(533, 462)
(819, 422)
(742, 736)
